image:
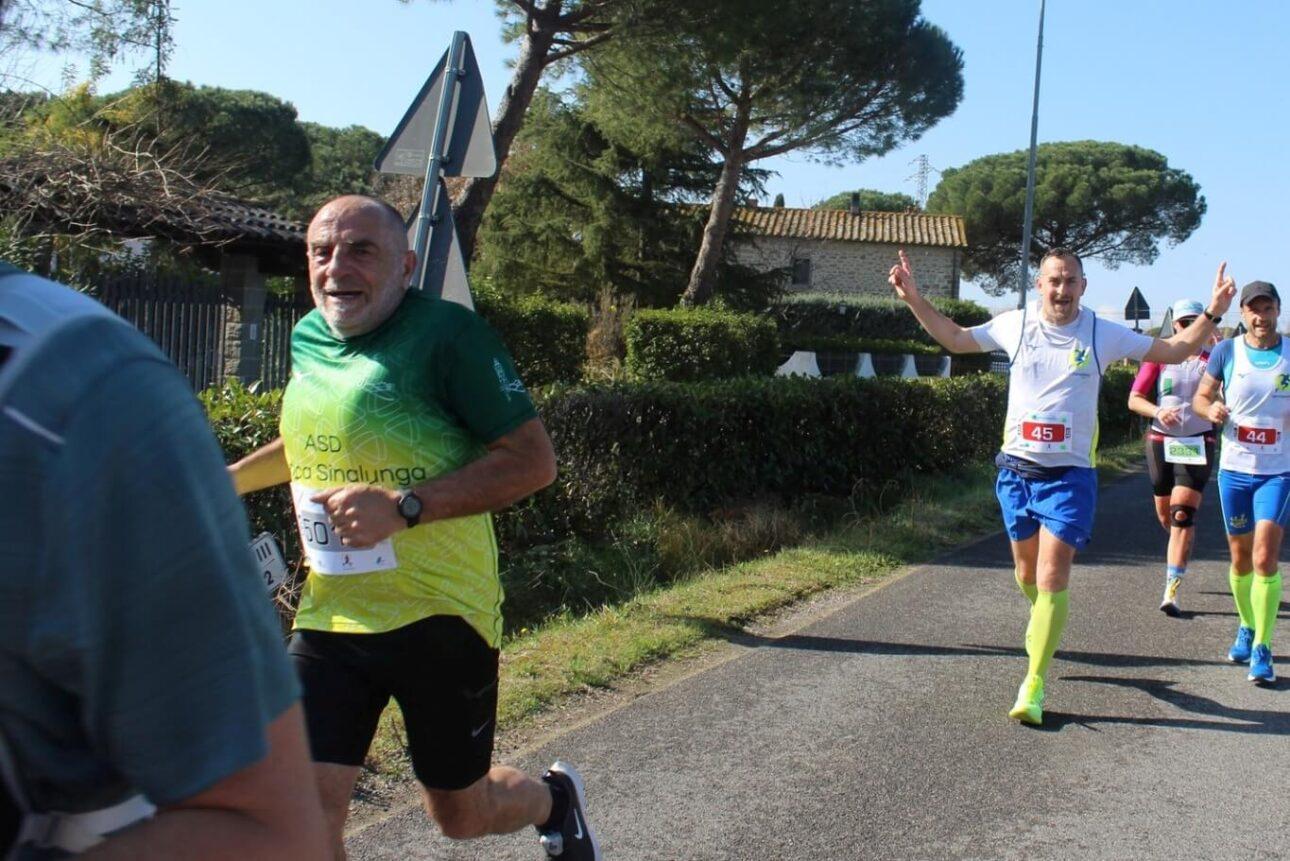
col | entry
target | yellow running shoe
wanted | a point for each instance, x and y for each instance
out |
(1029, 707)
(1169, 604)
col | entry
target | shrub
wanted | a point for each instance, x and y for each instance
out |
(688, 345)
(847, 344)
(816, 315)
(547, 339)
(695, 447)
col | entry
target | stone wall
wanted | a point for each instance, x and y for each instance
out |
(858, 268)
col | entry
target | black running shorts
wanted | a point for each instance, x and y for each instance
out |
(1166, 476)
(440, 672)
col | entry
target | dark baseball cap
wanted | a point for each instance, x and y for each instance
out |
(1255, 289)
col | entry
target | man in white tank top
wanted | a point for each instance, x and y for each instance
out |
(1253, 372)
(1047, 486)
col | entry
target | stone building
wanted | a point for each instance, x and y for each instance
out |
(836, 251)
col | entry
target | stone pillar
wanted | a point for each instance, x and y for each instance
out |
(242, 284)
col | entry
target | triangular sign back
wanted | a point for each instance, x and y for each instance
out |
(446, 277)
(470, 148)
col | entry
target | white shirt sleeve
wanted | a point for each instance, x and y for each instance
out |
(1115, 342)
(1001, 333)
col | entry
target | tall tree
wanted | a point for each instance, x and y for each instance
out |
(871, 200)
(577, 213)
(549, 33)
(103, 30)
(752, 79)
(340, 163)
(1106, 201)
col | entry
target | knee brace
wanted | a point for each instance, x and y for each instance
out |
(1182, 516)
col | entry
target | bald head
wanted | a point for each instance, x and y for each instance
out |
(389, 216)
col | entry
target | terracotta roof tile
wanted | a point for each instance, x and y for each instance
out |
(895, 228)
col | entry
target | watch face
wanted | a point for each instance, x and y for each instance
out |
(410, 505)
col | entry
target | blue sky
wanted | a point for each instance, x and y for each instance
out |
(1202, 82)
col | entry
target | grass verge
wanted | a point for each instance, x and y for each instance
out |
(571, 654)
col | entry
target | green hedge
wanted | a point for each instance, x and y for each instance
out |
(547, 339)
(846, 344)
(814, 315)
(695, 447)
(625, 448)
(689, 345)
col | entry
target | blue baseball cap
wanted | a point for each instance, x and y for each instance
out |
(1185, 308)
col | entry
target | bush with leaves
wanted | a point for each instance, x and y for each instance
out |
(688, 345)
(823, 315)
(547, 339)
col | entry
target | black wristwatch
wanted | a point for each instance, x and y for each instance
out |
(410, 507)
(1212, 317)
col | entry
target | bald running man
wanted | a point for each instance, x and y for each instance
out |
(1047, 484)
(403, 426)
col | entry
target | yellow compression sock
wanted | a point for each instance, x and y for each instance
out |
(1265, 596)
(1047, 621)
(1030, 590)
(1240, 584)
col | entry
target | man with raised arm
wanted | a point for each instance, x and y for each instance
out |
(403, 426)
(1047, 484)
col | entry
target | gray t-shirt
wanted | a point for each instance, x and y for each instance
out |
(138, 650)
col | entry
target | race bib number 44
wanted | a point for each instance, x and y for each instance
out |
(1259, 435)
(323, 547)
(1046, 432)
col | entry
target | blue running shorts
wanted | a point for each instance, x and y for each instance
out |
(1247, 499)
(1063, 505)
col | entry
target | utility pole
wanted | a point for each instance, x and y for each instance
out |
(1030, 169)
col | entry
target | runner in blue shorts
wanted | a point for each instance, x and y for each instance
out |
(1047, 484)
(1253, 374)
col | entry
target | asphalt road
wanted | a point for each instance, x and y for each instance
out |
(880, 731)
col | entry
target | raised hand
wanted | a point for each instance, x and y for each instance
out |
(1224, 290)
(901, 279)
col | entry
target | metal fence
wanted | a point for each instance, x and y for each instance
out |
(281, 313)
(187, 317)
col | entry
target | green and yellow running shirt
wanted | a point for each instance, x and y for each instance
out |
(418, 397)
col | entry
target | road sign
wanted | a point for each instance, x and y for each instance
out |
(444, 264)
(469, 139)
(1137, 308)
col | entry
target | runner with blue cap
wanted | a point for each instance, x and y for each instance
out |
(1179, 447)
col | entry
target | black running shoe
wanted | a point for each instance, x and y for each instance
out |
(574, 840)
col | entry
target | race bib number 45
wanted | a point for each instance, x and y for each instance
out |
(323, 547)
(1046, 432)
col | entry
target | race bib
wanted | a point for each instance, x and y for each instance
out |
(1259, 434)
(1046, 432)
(1188, 450)
(267, 555)
(322, 545)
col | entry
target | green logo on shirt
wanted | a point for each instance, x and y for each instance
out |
(1283, 382)
(1080, 358)
(1167, 386)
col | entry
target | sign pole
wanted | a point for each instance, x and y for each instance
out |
(1028, 219)
(431, 190)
